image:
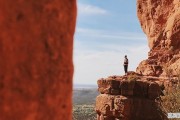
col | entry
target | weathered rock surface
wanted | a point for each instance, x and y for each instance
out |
(111, 107)
(135, 96)
(36, 43)
(132, 100)
(160, 20)
(137, 88)
(108, 86)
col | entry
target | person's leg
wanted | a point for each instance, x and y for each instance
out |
(125, 69)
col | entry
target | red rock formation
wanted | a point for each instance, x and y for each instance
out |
(134, 97)
(36, 42)
(128, 99)
(160, 20)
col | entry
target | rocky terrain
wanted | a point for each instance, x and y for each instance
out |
(136, 96)
(36, 50)
(129, 97)
(160, 21)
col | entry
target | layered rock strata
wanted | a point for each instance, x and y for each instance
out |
(36, 68)
(160, 21)
(123, 99)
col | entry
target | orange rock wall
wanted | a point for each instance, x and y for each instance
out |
(160, 20)
(36, 44)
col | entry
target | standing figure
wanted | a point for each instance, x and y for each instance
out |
(125, 64)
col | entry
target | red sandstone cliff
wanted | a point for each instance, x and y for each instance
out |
(124, 99)
(136, 99)
(160, 20)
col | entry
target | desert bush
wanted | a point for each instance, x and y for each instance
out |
(171, 100)
(178, 75)
(168, 71)
(132, 77)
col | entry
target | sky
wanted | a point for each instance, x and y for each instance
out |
(106, 31)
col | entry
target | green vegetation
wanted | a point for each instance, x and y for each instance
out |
(84, 112)
(84, 96)
(171, 100)
(84, 104)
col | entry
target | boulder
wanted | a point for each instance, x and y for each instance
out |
(109, 86)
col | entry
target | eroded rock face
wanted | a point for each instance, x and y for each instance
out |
(36, 43)
(125, 99)
(160, 20)
(111, 107)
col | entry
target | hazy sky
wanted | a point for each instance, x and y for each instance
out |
(106, 30)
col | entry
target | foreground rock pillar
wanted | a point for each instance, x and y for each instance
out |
(36, 43)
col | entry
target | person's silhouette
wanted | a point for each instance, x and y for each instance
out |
(125, 64)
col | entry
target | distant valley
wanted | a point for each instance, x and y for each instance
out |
(84, 97)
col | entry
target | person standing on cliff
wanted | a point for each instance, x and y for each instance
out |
(125, 64)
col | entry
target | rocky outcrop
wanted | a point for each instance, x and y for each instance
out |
(133, 99)
(136, 96)
(36, 43)
(160, 21)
